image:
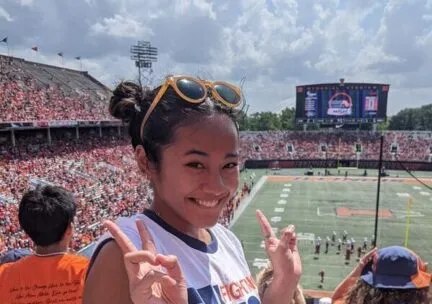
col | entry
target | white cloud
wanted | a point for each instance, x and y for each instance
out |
(4, 14)
(274, 44)
(120, 26)
(25, 2)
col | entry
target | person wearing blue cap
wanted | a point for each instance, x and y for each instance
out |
(389, 275)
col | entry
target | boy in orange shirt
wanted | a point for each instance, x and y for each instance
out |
(51, 274)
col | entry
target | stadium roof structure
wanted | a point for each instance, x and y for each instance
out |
(50, 74)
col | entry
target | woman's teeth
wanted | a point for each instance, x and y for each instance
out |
(208, 204)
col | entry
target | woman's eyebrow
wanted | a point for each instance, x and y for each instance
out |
(205, 154)
(196, 152)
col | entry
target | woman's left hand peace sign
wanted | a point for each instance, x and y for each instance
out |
(147, 283)
(282, 252)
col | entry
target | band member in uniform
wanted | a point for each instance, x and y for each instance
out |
(344, 236)
(327, 244)
(339, 246)
(321, 274)
(317, 246)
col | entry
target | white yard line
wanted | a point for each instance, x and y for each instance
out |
(245, 203)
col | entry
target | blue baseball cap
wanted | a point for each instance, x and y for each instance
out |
(396, 267)
(14, 255)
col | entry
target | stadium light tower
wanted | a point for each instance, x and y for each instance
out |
(144, 55)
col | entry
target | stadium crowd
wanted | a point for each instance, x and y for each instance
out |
(25, 98)
(90, 169)
(409, 146)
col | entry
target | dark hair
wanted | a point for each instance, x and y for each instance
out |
(130, 103)
(362, 293)
(45, 213)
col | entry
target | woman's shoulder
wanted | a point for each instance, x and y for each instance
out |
(127, 226)
(222, 230)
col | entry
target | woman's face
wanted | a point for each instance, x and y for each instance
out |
(198, 173)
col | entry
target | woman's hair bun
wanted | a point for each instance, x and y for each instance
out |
(126, 100)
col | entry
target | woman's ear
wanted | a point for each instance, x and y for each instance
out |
(144, 164)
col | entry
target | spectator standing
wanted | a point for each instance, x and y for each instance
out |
(51, 274)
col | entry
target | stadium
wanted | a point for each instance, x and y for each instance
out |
(324, 181)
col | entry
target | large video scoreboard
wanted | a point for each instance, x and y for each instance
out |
(342, 103)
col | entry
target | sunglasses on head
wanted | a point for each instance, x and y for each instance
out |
(195, 91)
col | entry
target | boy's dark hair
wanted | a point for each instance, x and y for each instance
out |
(45, 213)
(130, 103)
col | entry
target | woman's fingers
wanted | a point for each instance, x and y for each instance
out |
(141, 257)
(293, 242)
(265, 226)
(167, 281)
(172, 266)
(170, 263)
(122, 240)
(146, 239)
(287, 237)
(149, 278)
(368, 256)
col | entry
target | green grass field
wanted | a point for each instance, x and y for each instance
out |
(311, 204)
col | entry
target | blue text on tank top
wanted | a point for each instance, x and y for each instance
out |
(212, 295)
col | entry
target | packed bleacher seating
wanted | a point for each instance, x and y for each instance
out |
(406, 146)
(94, 169)
(31, 92)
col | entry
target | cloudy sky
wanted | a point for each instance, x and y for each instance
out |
(273, 44)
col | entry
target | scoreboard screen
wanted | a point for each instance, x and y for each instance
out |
(342, 103)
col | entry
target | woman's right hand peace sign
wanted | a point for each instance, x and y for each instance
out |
(147, 283)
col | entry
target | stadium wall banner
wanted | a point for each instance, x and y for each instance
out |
(41, 124)
(89, 123)
(5, 126)
(16, 125)
(111, 123)
(333, 163)
(62, 123)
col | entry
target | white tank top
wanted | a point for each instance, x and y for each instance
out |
(215, 274)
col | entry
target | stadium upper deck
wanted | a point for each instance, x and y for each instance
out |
(31, 91)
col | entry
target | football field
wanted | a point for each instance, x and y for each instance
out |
(319, 205)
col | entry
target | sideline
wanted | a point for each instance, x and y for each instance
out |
(245, 203)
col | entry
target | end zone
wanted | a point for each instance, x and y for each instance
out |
(349, 212)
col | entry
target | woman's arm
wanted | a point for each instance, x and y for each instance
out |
(285, 260)
(343, 287)
(267, 292)
(107, 281)
(352, 278)
(278, 292)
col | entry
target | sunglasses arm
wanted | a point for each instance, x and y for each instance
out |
(153, 106)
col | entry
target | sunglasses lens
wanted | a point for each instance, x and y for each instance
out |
(190, 88)
(227, 93)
